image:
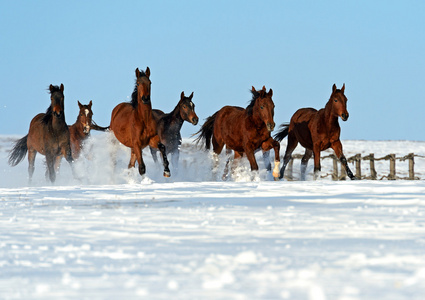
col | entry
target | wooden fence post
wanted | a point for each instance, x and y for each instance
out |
(358, 159)
(372, 166)
(343, 173)
(411, 158)
(392, 175)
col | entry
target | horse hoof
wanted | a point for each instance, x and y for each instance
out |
(167, 174)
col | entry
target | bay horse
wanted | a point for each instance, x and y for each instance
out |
(48, 135)
(80, 130)
(243, 130)
(316, 131)
(169, 126)
(134, 126)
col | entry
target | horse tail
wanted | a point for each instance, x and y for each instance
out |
(18, 151)
(206, 132)
(94, 126)
(280, 135)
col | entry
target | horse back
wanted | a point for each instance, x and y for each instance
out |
(232, 128)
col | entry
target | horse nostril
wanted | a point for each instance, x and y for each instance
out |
(195, 121)
(345, 117)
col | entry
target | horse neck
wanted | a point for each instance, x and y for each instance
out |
(144, 111)
(176, 117)
(331, 120)
(78, 128)
(256, 120)
(58, 124)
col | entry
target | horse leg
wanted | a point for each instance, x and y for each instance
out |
(50, 171)
(304, 161)
(154, 142)
(58, 163)
(217, 148)
(337, 147)
(225, 175)
(136, 154)
(250, 154)
(132, 161)
(236, 159)
(67, 153)
(317, 166)
(266, 146)
(31, 160)
(154, 156)
(290, 147)
(175, 155)
(266, 158)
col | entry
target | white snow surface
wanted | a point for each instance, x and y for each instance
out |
(111, 234)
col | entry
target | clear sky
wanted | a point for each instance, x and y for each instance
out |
(218, 50)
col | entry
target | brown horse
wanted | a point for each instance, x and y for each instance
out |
(134, 126)
(48, 135)
(80, 130)
(316, 131)
(243, 130)
(169, 126)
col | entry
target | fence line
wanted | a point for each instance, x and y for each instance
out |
(356, 159)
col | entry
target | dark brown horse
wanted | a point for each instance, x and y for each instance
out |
(134, 126)
(169, 126)
(48, 135)
(316, 131)
(243, 130)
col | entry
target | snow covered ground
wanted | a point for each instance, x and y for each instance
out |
(114, 235)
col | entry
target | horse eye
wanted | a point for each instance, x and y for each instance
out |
(261, 107)
(336, 100)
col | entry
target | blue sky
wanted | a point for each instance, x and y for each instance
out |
(218, 50)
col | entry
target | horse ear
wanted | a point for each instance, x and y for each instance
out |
(334, 88)
(264, 88)
(253, 89)
(62, 88)
(90, 103)
(191, 96)
(51, 88)
(137, 72)
(270, 92)
(182, 96)
(148, 72)
(343, 88)
(79, 104)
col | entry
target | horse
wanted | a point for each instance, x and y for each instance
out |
(80, 131)
(169, 126)
(134, 126)
(48, 135)
(316, 131)
(243, 130)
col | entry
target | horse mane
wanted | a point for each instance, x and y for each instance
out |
(134, 101)
(49, 111)
(48, 115)
(249, 108)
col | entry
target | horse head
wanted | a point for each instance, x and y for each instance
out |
(338, 101)
(187, 109)
(143, 85)
(85, 116)
(263, 106)
(57, 100)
